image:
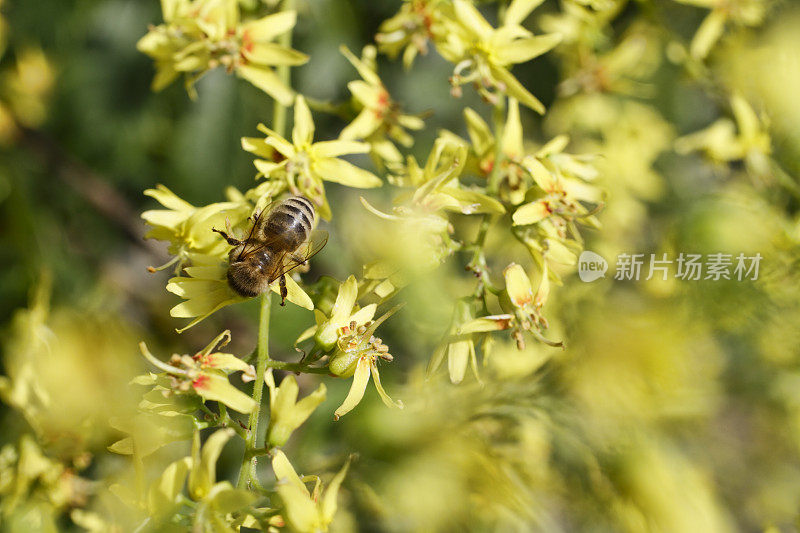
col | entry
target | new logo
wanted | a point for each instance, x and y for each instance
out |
(591, 266)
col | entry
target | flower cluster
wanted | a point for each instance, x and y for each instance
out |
(302, 165)
(380, 121)
(200, 35)
(481, 53)
(492, 180)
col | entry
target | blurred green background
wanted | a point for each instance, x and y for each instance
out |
(675, 407)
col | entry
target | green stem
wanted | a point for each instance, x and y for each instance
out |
(297, 367)
(247, 472)
(279, 111)
(478, 262)
(498, 118)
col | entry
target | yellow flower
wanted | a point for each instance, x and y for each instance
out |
(458, 347)
(303, 164)
(483, 54)
(285, 413)
(522, 305)
(724, 141)
(563, 192)
(513, 181)
(380, 116)
(200, 35)
(437, 183)
(305, 511)
(27, 85)
(344, 311)
(526, 306)
(187, 228)
(215, 498)
(356, 355)
(744, 12)
(409, 31)
(206, 374)
(206, 290)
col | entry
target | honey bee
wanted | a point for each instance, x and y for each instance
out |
(280, 239)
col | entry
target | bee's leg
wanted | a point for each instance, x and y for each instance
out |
(284, 291)
(228, 227)
(231, 240)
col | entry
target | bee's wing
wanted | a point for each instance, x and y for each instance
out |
(307, 250)
(253, 245)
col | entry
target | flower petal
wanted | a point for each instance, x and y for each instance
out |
(216, 387)
(522, 50)
(268, 167)
(204, 467)
(376, 378)
(512, 132)
(479, 132)
(273, 54)
(519, 10)
(257, 146)
(168, 199)
(303, 130)
(367, 73)
(531, 213)
(266, 80)
(295, 294)
(708, 33)
(365, 314)
(340, 171)
(472, 20)
(163, 494)
(457, 360)
(518, 285)
(328, 508)
(284, 472)
(357, 389)
(269, 27)
(515, 89)
(362, 126)
(473, 202)
(283, 146)
(486, 323)
(544, 288)
(337, 148)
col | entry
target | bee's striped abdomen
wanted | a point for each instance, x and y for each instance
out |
(291, 221)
